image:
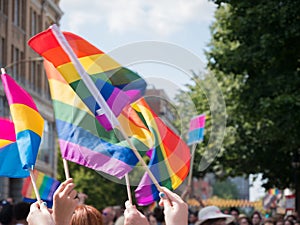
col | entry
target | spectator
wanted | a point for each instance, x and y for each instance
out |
(256, 218)
(108, 215)
(21, 211)
(212, 215)
(86, 215)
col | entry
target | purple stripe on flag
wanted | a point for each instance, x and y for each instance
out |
(93, 160)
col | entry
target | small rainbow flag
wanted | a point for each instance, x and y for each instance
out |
(170, 156)
(119, 86)
(10, 162)
(28, 122)
(196, 130)
(46, 186)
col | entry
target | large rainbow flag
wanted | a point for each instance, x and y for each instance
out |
(84, 140)
(28, 122)
(119, 86)
(169, 160)
(46, 186)
(10, 162)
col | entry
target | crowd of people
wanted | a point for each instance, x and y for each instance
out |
(68, 209)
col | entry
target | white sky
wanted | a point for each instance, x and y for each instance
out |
(114, 23)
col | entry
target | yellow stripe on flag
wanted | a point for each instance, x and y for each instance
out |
(32, 121)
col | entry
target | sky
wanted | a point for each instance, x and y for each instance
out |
(180, 27)
(109, 25)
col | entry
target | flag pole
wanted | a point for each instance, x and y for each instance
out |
(36, 191)
(191, 165)
(128, 188)
(98, 97)
(66, 168)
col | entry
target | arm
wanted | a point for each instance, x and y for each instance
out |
(175, 209)
(64, 202)
(133, 216)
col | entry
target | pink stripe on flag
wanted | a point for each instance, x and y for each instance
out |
(197, 122)
(7, 130)
(20, 96)
(93, 160)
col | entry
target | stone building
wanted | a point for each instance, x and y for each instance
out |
(20, 20)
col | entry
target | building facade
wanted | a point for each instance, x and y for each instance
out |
(19, 21)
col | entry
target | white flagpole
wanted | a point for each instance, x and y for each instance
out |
(98, 97)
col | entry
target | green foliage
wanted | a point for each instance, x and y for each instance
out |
(225, 189)
(255, 53)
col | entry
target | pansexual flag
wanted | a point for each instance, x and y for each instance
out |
(46, 186)
(28, 122)
(196, 130)
(85, 141)
(10, 162)
(118, 86)
(170, 157)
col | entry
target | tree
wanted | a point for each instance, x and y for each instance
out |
(256, 45)
(225, 189)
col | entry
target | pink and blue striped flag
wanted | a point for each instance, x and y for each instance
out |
(196, 130)
(28, 122)
(10, 162)
(46, 186)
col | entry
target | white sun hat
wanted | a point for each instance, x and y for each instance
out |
(213, 212)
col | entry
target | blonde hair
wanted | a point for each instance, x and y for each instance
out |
(86, 215)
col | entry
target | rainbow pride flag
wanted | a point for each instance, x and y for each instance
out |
(46, 186)
(170, 156)
(119, 86)
(28, 122)
(196, 130)
(10, 162)
(85, 141)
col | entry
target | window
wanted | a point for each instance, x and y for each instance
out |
(4, 108)
(15, 58)
(34, 18)
(3, 6)
(2, 53)
(18, 13)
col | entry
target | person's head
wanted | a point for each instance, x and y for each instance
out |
(21, 211)
(291, 218)
(279, 222)
(269, 222)
(256, 218)
(151, 218)
(288, 222)
(6, 214)
(108, 215)
(243, 220)
(86, 215)
(235, 213)
(193, 216)
(212, 215)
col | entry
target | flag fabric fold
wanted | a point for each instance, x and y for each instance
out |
(10, 162)
(196, 130)
(85, 141)
(46, 186)
(169, 160)
(119, 86)
(28, 122)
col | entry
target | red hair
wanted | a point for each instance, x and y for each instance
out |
(86, 215)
